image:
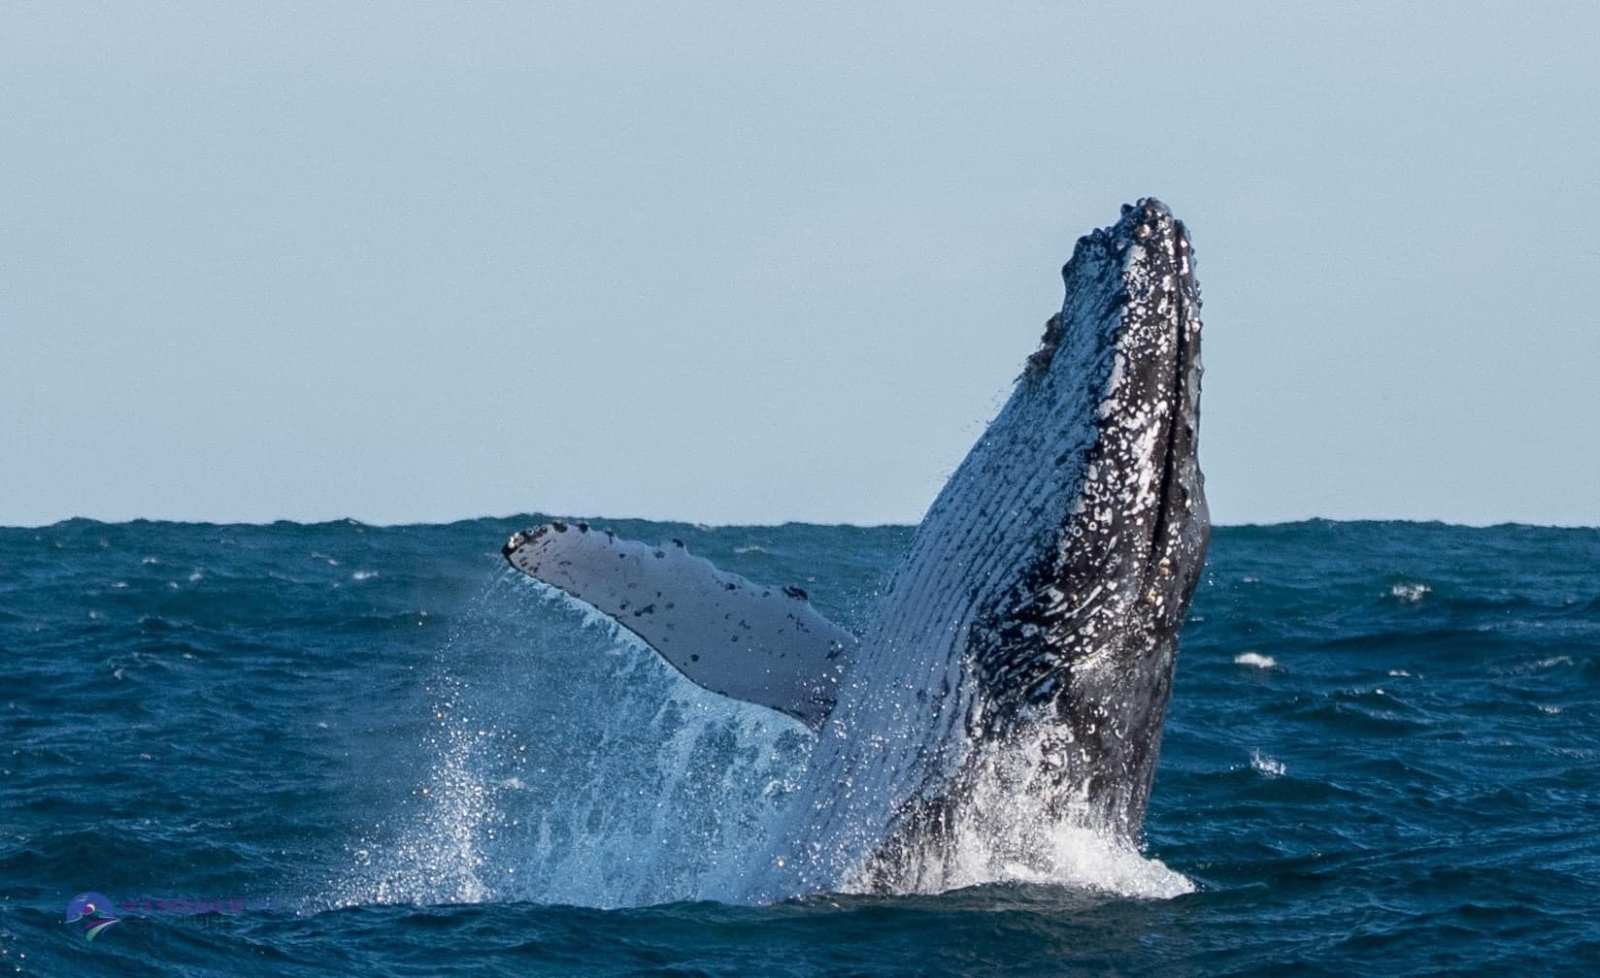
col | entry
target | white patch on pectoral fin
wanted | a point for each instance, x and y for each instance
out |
(752, 642)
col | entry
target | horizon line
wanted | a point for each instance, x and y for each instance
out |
(536, 516)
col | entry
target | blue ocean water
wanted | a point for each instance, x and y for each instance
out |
(342, 749)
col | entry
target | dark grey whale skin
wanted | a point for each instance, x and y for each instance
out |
(1086, 508)
(1154, 553)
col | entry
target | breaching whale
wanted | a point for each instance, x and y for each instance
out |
(1015, 678)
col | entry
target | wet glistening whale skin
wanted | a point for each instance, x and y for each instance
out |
(1016, 676)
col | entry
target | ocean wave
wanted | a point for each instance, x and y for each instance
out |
(445, 770)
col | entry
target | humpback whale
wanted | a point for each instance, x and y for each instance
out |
(1014, 681)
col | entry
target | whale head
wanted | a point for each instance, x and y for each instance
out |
(1043, 593)
(1079, 651)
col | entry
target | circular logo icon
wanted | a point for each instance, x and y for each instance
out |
(93, 911)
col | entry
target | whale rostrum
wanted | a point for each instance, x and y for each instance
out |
(1018, 670)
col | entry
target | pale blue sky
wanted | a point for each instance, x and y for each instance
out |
(741, 263)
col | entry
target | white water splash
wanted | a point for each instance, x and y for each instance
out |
(581, 769)
(438, 859)
(1253, 658)
(574, 766)
(1409, 593)
(1007, 832)
(1066, 855)
(1267, 766)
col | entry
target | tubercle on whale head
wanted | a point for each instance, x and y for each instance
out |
(1140, 516)
(1148, 224)
(1159, 356)
(1128, 338)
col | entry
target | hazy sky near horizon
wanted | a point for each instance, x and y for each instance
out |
(747, 263)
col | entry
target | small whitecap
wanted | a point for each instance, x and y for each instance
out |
(1267, 766)
(195, 576)
(149, 560)
(363, 575)
(1410, 593)
(118, 585)
(753, 548)
(1254, 658)
(1546, 708)
(1247, 579)
(1399, 673)
(1553, 661)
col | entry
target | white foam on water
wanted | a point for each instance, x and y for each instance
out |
(1008, 832)
(1067, 855)
(1267, 766)
(1253, 658)
(1410, 593)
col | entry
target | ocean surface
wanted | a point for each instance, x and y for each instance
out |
(338, 749)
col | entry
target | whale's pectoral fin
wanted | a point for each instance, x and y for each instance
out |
(752, 642)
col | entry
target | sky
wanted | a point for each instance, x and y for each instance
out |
(741, 263)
